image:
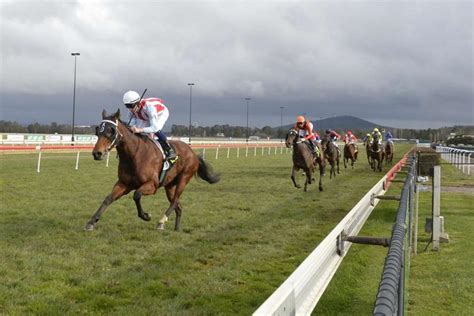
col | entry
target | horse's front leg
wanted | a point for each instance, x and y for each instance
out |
(321, 174)
(345, 162)
(146, 189)
(118, 191)
(309, 175)
(293, 172)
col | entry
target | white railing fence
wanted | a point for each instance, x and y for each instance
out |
(300, 293)
(460, 158)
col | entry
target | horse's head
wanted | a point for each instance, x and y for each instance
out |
(291, 137)
(324, 142)
(108, 133)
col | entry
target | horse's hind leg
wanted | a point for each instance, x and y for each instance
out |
(321, 174)
(118, 191)
(173, 193)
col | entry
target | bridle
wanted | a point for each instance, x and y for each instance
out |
(115, 136)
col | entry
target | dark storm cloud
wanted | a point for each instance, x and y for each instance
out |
(405, 64)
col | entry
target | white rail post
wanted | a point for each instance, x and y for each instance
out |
(255, 151)
(228, 152)
(464, 161)
(38, 168)
(217, 151)
(436, 206)
(262, 150)
(269, 149)
(204, 152)
(238, 152)
(246, 151)
(107, 162)
(77, 160)
(469, 162)
(276, 148)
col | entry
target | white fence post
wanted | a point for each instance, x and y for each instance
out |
(255, 151)
(238, 152)
(246, 151)
(204, 152)
(217, 151)
(436, 206)
(107, 162)
(77, 160)
(228, 152)
(39, 162)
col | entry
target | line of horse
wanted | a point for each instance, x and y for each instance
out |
(303, 158)
(144, 169)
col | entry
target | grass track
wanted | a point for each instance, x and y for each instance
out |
(240, 238)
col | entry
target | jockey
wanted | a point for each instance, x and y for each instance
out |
(376, 132)
(333, 135)
(350, 138)
(305, 130)
(388, 137)
(149, 116)
(367, 139)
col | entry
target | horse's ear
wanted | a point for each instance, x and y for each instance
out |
(104, 114)
(117, 114)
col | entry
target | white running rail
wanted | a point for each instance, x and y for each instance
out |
(459, 157)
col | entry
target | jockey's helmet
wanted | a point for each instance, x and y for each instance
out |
(130, 98)
(349, 133)
(376, 130)
(300, 119)
(328, 131)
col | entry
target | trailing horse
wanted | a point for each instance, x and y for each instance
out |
(332, 154)
(304, 159)
(141, 169)
(376, 154)
(350, 153)
(389, 152)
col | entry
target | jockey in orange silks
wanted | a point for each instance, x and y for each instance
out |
(305, 130)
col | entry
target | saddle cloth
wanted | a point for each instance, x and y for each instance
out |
(166, 164)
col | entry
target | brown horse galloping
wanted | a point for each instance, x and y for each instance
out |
(304, 159)
(332, 154)
(389, 152)
(376, 154)
(140, 167)
(350, 153)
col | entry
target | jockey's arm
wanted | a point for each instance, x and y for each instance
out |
(132, 118)
(309, 131)
(153, 115)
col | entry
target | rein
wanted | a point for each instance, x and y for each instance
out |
(117, 133)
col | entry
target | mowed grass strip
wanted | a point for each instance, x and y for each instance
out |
(240, 238)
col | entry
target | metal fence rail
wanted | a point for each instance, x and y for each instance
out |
(390, 297)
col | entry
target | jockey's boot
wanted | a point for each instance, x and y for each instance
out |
(169, 152)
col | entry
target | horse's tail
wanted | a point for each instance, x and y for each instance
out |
(205, 172)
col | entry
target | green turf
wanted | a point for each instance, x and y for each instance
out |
(240, 238)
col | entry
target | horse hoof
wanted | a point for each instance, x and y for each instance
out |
(321, 189)
(160, 226)
(146, 217)
(89, 227)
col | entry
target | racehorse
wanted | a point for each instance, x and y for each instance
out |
(332, 154)
(389, 152)
(141, 168)
(376, 154)
(303, 159)
(350, 153)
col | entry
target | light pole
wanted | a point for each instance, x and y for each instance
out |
(247, 131)
(74, 95)
(191, 84)
(281, 123)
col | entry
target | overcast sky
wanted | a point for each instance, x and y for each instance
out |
(402, 64)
